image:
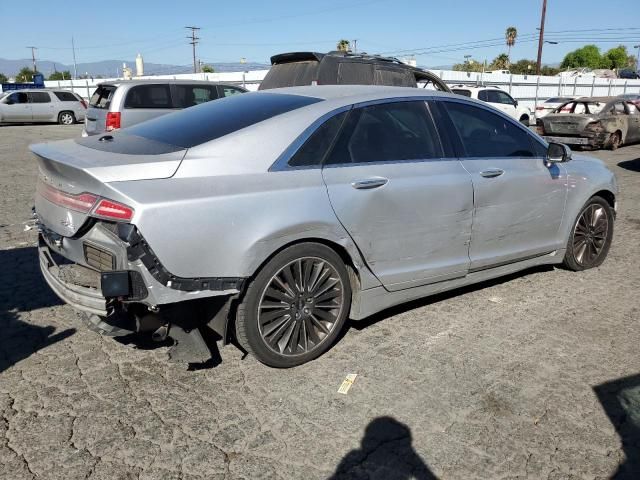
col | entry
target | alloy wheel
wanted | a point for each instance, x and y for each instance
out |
(590, 234)
(66, 119)
(300, 306)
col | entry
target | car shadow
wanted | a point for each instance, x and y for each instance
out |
(386, 451)
(632, 165)
(439, 297)
(22, 290)
(621, 401)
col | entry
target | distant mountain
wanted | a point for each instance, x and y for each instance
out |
(113, 68)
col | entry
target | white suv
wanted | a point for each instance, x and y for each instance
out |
(499, 99)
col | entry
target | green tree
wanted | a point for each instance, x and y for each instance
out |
(343, 45)
(66, 75)
(510, 36)
(523, 67)
(501, 62)
(549, 71)
(25, 75)
(588, 56)
(469, 65)
(617, 57)
(207, 69)
(3, 78)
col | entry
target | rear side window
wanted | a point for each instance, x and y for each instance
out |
(102, 96)
(185, 96)
(350, 73)
(211, 120)
(40, 97)
(387, 132)
(394, 78)
(66, 96)
(292, 74)
(148, 96)
(315, 148)
(486, 134)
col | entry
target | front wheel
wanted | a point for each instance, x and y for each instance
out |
(524, 119)
(591, 236)
(295, 307)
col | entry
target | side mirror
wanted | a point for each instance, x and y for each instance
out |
(557, 153)
(515, 103)
(8, 101)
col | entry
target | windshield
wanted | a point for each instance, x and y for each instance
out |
(208, 121)
(459, 91)
(102, 95)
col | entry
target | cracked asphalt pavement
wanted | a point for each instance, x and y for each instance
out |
(532, 376)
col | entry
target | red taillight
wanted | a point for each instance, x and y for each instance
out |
(82, 202)
(86, 203)
(539, 108)
(113, 121)
(111, 210)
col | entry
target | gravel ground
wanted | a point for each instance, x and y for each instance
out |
(532, 376)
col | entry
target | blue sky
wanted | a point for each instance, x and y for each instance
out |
(257, 29)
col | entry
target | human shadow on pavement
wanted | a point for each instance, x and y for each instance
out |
(621, 401)
(22, 289)
(386, 453)
(633, 165)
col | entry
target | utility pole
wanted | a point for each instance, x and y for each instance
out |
(33, 58)
(638, 58)
(75, 66)
(194, 42)
(541, 37)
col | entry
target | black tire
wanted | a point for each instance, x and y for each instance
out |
(300, 331)
(66, 118)
(576, 258)
(615, 141)
(524, 120)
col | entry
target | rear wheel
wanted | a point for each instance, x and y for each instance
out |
(591, 236)
(66, 118)
(295, 307)
(524, 119)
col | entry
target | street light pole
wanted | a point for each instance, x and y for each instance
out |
(466, 60)
(33, 58)
(541, 37)
(638, 57)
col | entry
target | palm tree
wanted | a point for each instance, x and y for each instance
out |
(344, 45)
(510, 35)
(501, 62)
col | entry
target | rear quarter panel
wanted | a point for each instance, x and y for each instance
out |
(228, 225)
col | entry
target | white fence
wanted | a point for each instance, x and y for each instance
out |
(527, 89)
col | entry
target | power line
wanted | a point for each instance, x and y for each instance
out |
(194, 42)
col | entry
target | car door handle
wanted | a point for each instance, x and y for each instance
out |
(492, 173)
(369, 183)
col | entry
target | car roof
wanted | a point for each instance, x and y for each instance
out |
(167, 80)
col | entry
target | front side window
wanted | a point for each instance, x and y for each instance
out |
(19, 97)
(185, 96)
(228, 91)
(387, 132)
(487, 134)
(315, 148)
(618, 109)
(148, 96)
(500, 97)
(483, 95)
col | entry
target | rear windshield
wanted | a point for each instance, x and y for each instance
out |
(292, 74)
(466, 93)
(102, 95)
(203, 123)
(66, 96)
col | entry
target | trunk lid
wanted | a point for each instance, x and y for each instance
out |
(566, 123)
(88, 165)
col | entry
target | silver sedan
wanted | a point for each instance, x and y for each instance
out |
(275, 216)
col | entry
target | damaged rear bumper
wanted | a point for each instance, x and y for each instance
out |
(596, 141)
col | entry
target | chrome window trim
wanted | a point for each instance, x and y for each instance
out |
(282, 162)
(479, 104)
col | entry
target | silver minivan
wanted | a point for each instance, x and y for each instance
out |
(39, 105)
(123, 103)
